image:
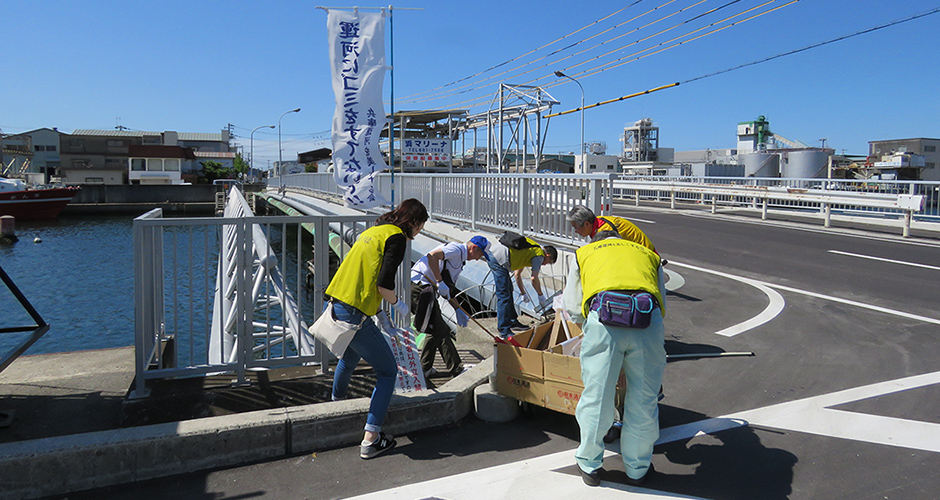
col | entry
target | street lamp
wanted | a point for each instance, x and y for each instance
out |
(559, 74)
(279, 161)
(252, 147)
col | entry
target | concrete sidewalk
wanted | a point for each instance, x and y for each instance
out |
(71, 427)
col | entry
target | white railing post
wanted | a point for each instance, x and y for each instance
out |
(431, 186)
(595, 196)
(827, 214)
(243, 338)
(523, 200)
(763, 211)
(474, 202)
(321, 266)
(908, 215)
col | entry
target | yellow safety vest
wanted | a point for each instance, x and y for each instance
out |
(355, 282)
(519, 259)
(627, 230)
(617, 264)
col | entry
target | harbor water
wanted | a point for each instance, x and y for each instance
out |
(80, 279)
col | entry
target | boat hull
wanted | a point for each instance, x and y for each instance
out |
(35, 203)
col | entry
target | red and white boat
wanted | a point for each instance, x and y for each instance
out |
(23, 203)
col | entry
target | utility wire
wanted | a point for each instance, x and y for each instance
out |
(529, 52)
(611, 64)
(477, 85)
(820, 44)
(777, 56)
(601, 68)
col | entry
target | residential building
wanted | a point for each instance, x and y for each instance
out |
(103, 156)
(157, 164)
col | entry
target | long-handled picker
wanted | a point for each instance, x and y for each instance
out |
(508, 340)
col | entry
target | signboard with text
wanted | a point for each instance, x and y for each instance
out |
(421, 150)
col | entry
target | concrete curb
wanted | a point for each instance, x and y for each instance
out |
(55, 466)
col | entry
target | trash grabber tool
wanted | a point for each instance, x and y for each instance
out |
(693, 355)
(501, 340)
(456, 306)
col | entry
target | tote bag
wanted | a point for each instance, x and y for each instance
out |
(335, 334)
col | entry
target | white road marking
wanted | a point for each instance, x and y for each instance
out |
(533, 478)
(862, 305)
(631, 219)
(538, 477)
(812, 416)
(774, 307)
(803, 227)
(674, 281)
(914, 264)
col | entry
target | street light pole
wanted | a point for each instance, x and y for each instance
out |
(251, 150)
(559, 74)
(279, 160)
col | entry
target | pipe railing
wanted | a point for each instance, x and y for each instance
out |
(535, 204)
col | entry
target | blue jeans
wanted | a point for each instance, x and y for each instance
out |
(368, 344)
(505, 309)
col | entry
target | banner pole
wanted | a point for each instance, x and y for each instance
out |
(391, 122)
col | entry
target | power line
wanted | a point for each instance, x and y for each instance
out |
(605, 66)
(777, 56)
(529, 52)
(820, 44)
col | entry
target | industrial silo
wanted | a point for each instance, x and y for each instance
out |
(761, 164)
(805, 163)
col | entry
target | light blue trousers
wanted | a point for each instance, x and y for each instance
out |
(641, 354)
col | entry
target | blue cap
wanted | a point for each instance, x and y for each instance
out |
(481, 242)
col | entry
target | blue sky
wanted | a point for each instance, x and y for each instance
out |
(197, 66)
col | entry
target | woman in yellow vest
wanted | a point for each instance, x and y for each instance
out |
(613, 264)
(365, 277)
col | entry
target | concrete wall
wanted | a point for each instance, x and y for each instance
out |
(126, 193)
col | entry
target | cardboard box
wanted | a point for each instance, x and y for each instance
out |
(537, 376)
(519, 361)
(528, 389)
(562, 397)
(560, 368)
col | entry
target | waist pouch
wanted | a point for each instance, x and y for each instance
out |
(624, 309)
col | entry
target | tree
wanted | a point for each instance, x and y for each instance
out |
(214, 170)
(241, 166)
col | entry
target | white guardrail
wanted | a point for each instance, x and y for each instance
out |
(536, 204)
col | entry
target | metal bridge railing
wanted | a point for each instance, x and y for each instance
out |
(531, 204)
(535, 204)
(232, 294)
(884, 199)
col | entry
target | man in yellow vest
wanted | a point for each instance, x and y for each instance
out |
(586, 224)
(617, 288)
(502, 260)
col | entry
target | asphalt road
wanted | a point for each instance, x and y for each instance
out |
(840, 401)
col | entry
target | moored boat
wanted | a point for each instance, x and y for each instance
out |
(24, 203)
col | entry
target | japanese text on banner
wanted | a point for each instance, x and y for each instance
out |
(357, 61)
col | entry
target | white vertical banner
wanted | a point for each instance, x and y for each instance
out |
(357, 60)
